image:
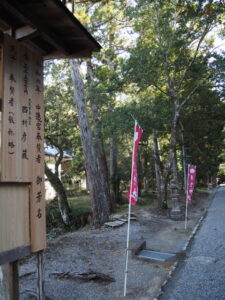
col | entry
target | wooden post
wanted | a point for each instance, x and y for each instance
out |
(9, 283)
(40, 280)
(15, 280)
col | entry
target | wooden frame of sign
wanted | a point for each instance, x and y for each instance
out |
(22, 203)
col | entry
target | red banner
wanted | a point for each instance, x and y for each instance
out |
(190, 182)
(132, 193)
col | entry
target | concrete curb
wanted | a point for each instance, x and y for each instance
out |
(184, 249)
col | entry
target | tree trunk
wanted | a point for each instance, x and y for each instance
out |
(100, 208)
(184, 164)
(175, 211)
(101, 158)
(145, 180)
(100, 151)
(58, 160)
(160, 182)
(174, 141)
(114, 178)
(61, 195)
(175, 171)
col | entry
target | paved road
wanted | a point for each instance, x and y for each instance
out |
(202, 275)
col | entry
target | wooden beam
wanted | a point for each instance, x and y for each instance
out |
(1, 37)
(4, 25)
(9, 282)
(14, 254)
(40, 278)
(78, 54)
(35, 23)
(32, 46)
(15, 280)
(24, 32)
(14, 11)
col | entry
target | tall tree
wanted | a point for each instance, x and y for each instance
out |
(172, 37)
(99, 146)
(100, 206)
(109, 22)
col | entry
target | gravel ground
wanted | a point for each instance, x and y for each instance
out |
(201, 276)
(103, 250)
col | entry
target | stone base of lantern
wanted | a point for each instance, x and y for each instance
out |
(176, 215)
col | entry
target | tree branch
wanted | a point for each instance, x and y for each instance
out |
(157, 87)
(189, 96)
(170, 81)
(206, 30)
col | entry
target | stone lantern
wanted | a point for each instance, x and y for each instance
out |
(175, 213)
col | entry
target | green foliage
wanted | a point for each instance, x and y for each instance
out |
(173, 66)
(61, 124)
(80, 204)
(80, 211)
(60, 117)
(204, 144)
(154, 53)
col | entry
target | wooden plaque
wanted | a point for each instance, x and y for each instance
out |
(14, 216)
(22, 129)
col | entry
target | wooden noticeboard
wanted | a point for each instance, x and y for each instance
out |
(22, 133)
(14, 202)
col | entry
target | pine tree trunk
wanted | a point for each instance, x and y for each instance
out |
(175, 170)
(145, 167)
(171, 162)
(183, 159)
(114, 178)
(100, 208)
(101, 158)
(175, 211)
(173, 148)
(100, 151)
(158, 173)
(61, 195)
(173, 157)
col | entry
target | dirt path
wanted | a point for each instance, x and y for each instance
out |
(103, 251)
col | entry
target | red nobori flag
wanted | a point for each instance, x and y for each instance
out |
(190, 182)
(132, 193)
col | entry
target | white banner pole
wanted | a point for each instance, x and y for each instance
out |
(127, 251)
(186, 210)
(128, 225)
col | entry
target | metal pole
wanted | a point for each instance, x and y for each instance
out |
(128, 225)
(186, 210)
(127, 251)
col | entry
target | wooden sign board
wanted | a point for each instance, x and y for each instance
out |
(22, 131)
(14, 220)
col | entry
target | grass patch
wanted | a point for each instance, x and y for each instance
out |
(185, 231)
(202, 190)
(148, 199)
(80, 204)
(80, 210)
